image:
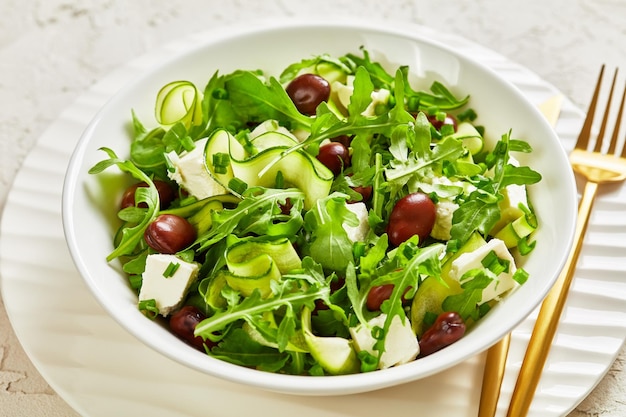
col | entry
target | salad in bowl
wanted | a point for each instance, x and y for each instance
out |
(329, 219)
(318, 208)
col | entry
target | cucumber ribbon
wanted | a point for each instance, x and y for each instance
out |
(254, 264)
(297, 168)
(179, 102)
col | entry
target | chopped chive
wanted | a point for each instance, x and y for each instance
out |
(188, 144)
(135, 281)
(524, 246)
(171, 269)
(221, 161)
(520, 276)
(149, 308)
(495, 264)
(237, 185)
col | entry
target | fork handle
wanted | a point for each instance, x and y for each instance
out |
(549, 315)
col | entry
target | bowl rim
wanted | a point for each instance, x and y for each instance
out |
(278, 382)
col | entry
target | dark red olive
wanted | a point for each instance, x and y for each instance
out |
(345, 140)
(183, 324)
(447, 329)
(412, 215)
(335, 156)
(169, 234)
(307, 91)
(448, 120)
(166, 195)
(379, 293)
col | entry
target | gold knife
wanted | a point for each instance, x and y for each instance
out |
(495, 363)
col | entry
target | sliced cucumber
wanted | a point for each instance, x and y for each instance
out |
(179, 101)
(431, 293)
(470, 137)
(335, 354)
(298, 169)
(254, 264)
(295, 343)
(202, 219)
(514, 231)
(272, 139)
(211, 291)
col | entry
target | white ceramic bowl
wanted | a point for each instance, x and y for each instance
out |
(89, 212)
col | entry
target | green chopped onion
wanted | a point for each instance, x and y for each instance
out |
(188, 144)
(495, 264)
(237, 185)
(135, 281)
(524, 246)
(149, 308)
(221, 161)
(171, 269)
(520, 276)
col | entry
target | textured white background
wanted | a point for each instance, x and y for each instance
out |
(52, 50)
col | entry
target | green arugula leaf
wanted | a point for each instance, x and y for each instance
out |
(400, 172)
(523, 175)
(329, 243)
(252, 309)
(258, 101)
(257, 202)
(440, 97)
(466, 302)
(131, 236)
(239, 348)
(322, 65)
(380, 77)
(474, 214)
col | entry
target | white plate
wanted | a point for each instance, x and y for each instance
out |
(101, 370)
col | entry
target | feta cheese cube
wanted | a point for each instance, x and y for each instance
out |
(401, 345)
(444, 210)
(359, 232)
(167, 291)
(344, 93)
(191, 174)
(472, 260)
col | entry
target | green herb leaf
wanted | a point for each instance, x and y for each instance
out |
(258, 101)
(131, 236)
(329, 243)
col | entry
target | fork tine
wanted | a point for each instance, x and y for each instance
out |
(585, 132)
(605, 118)
(618, 123)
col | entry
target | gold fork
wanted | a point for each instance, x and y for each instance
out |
(597, 166)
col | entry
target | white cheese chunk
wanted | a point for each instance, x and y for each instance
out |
(378, 97)
(514, 196)
(191, 174)
(401, 345)
(444, 210)
(344, 93)
(359, 232)
(472, 260)
(167, 292)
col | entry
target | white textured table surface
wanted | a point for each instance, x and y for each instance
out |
(52, 50)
